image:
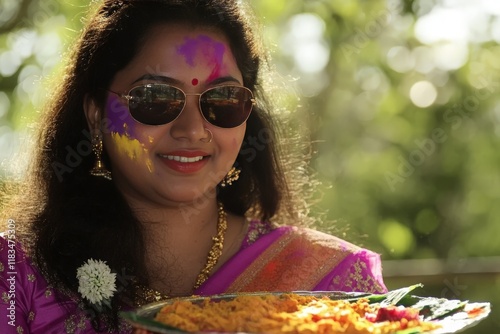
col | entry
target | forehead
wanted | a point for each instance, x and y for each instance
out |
(171, 33)
(182, 52)
(168, 44)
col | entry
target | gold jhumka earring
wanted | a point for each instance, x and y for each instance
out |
(232, 175)
(99, 168)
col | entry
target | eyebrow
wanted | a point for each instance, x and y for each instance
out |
(172, 81)
(227, 78)
(160, 78)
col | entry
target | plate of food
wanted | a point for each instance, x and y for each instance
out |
(396, 312)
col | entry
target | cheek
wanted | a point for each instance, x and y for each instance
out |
(125, 138)
(132, 149)
(118, 119)
(237, 141)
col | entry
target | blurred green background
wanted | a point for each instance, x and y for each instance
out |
(403, 105)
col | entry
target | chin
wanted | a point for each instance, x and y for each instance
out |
(192, 196)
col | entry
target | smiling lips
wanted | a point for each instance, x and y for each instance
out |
(185, 162)
(183, 159)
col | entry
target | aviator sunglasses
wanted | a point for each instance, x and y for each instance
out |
(223, 106)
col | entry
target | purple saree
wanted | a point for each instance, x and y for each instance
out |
(291, 259)
(280, 259)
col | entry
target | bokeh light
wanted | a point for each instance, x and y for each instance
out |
(423, 94)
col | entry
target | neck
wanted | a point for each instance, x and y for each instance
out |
(178, 239)
(180, 227)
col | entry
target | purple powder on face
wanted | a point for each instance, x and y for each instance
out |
(188, 50)
(211, 51)
(118, 117)
(219, 54)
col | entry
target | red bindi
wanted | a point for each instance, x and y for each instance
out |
(194, 82)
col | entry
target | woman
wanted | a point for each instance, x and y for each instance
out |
(157, 174)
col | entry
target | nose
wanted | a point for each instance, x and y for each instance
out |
(190, 124)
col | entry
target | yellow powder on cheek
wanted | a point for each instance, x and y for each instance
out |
(149, 164)
(132, 148)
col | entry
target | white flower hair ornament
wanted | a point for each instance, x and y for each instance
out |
(96, 282)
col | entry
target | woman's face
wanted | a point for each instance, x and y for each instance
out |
(175, 162)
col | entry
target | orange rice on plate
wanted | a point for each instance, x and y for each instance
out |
(289, 313)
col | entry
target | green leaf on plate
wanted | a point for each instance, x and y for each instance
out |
(416, 330)
(393, 297)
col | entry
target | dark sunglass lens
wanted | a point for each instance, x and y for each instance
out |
(156, 104)
(226, 106)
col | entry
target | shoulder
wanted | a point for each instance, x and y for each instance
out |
(353, 268)
(295, 258)
(319, 241)
(27, 300)
(17, 271)
(302, 237)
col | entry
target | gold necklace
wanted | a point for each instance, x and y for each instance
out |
(216, 251)
(145, 295)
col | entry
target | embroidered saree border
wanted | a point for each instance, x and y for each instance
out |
(297, 260)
